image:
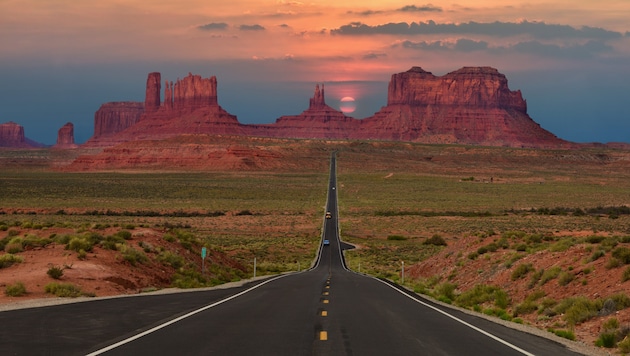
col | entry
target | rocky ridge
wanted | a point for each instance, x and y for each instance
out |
(472, 105)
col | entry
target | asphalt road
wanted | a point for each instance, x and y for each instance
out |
(327, 310)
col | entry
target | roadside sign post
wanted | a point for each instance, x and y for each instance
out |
(203, 260)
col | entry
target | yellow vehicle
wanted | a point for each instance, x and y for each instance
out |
(328, 215)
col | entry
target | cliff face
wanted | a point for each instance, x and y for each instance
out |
(472, 105)
(114, 117)
(191, 93)
(152, 92)
(65, 136)
(481, 87)
(12, 135)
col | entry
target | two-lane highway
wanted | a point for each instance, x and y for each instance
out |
(327, 310)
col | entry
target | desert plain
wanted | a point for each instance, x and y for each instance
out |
(530, 236)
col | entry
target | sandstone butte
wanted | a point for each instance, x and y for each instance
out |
(65, 136)
(472, 105)
(12, 135)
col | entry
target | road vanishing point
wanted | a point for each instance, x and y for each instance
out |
(326, 310)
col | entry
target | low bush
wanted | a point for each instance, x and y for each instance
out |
(171, 259)
(550, 274)
(622, 254)
(521, 271)
(9, 259)
(435, 240)
(567, 334)
(132, 255)
(565, 278)
(15, 290)
(396, 238)
(65, 290)
(55, 272)
(481, 294)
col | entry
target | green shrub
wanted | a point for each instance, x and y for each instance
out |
(14, 247)
(124, 234)
(606, 339)
(565, 278)
(482, 293)
(521, 271)
(171, 259)
(624, 345)
(613, 263)
(396, 238)
(550, 274)
(473, 255)
(594, 239)
(578, 309)
(55, 272)
(63, 290)
(15, 290)
(596, 255)
(189, 279)
(567, 334)
(132, 255)
(435, 240)
(622, 254)
(78, 243)
(446, 290)
(9, 259)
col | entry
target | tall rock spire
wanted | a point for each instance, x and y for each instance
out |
(317, 101)
(152, 98)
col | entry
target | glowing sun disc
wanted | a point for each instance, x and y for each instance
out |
(347, 105)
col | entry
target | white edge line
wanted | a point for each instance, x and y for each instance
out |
(496, 338)
(170, 322)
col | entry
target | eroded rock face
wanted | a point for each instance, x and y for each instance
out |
(192, 92)
(114, 117)
(65, 136)
(318, 121)
(12, 135)
(482, 87)
(472, 105)
(153, 89)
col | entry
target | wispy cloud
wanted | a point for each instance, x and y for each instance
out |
(422, 8)
(574, 51)
(214, 26)
(255, 27)
(540, 30)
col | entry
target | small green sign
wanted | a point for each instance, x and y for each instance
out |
(203, 252)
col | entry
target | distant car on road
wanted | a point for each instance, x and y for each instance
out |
(326, 242)
(328, 215)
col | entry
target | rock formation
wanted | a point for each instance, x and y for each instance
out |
(153, 89)
(114, 117)
(318, 121)
(65, 136)
(482, 87)
(472, 105)
(12, 135)
(191, 93)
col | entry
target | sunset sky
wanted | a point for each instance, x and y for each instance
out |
(61, 59)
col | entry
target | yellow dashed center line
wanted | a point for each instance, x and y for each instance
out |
(324, 313)
(325, 301)
(326, 293)
(323, 335)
